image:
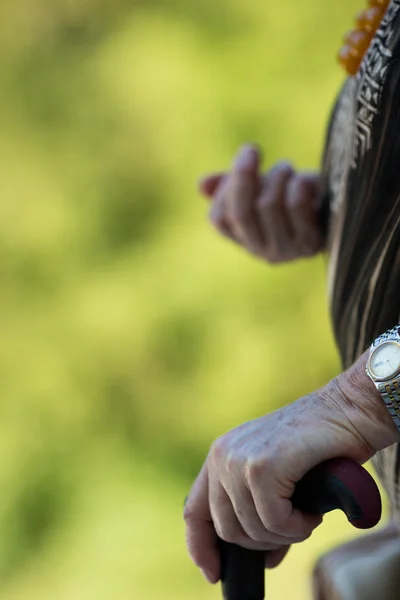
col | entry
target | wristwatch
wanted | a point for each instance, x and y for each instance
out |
(383, 368)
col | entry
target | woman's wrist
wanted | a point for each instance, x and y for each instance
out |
(364, 406)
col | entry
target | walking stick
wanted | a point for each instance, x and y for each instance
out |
(338, 483)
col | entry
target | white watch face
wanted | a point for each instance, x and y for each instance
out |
(385, 360)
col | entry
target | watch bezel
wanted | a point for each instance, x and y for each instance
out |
(368, 367)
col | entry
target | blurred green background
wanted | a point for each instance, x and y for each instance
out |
(132, 336)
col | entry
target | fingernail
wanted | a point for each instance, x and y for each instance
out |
(247, 159)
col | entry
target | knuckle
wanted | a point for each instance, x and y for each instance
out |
(227, 533)
(256, 470)
(188, 513)
(218, 449)
(230, 462)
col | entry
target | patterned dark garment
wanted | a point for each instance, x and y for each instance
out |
(361, 169)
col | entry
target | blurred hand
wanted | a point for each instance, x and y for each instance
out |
(272, 215)
(243, 490)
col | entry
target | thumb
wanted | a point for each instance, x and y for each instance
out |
(201, 538)
(208, 184)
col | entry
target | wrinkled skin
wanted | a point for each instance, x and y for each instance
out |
(243, 490)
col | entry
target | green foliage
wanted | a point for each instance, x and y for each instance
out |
(131, 335)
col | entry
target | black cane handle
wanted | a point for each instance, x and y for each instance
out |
(338, 483)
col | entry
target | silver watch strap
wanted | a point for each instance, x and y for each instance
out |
(391, 334)
(391, 396)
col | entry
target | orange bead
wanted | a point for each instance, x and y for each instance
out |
(380, 3)
(360, 20)
(358, 40)
(350, 59)
(372, 19)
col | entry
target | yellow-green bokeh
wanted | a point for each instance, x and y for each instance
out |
(132, 336)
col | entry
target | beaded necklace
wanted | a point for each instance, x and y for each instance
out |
(357, 41)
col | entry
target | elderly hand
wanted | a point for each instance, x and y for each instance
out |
(274, 216)
(243, 490)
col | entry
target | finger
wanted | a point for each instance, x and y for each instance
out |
(251, 523)
(227, 524)
(201, 538)
(274, 222)
(301, 200)
(279, 516)
(209, 184)
(242, 190)
(274, 507)
(217, 214)
(275, 557)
